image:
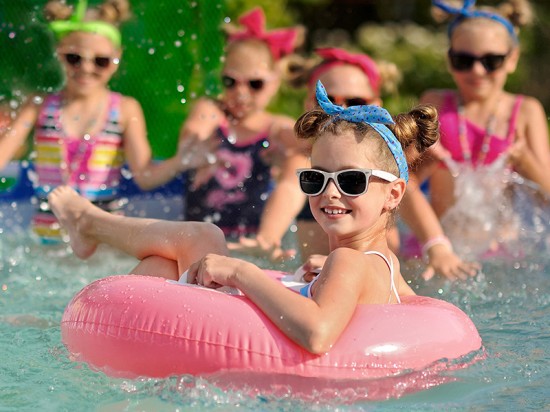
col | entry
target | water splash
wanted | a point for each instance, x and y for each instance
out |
(496, 211)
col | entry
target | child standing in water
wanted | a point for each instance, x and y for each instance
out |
(235, 146)
(84, 133)
(482, 128)
(358, 177)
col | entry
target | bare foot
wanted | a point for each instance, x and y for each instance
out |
(70, 209)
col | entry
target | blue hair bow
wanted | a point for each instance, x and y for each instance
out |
(468, 11)
(375, 116)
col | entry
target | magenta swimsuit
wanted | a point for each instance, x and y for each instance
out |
(450, 139)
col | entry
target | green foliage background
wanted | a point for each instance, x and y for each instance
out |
(171, 54)
(173, 50)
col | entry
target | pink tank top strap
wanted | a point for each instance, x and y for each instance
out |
(114, 101)
(389, 263)
(514, 117)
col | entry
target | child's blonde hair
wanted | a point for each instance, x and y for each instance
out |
(111, 11)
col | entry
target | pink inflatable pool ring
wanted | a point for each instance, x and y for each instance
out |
(129, 326)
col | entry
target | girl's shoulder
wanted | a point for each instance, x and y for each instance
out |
(348, 263)
(207, 108)
(525, 108)
(280, 119)
(367, 273)
(528, 103)
(436, 96)
(130, 108)
(127, 103)
(281, 127)
(32, 107)
(208, 102)
(354, 256)
(37, 101)
(530, 115)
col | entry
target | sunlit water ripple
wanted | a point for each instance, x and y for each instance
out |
(508, 302)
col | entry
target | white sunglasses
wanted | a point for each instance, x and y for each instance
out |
(350, 182)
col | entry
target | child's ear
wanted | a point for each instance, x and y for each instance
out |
(395, 194)
(512, 60)
(116, 57)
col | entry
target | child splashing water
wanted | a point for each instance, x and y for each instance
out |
(235, 147)
(488, 136)
(358, 177)
(85, 132)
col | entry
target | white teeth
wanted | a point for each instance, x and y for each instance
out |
(334, 211)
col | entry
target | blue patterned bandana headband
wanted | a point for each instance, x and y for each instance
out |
(467, 12)
(375, 116)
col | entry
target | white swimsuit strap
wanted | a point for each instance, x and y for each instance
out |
(389, 262)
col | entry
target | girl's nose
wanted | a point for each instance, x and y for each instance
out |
(331, 190)
(87, 65)
(478, 68)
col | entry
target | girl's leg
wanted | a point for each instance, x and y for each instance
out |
(180, 242)
(157, 266)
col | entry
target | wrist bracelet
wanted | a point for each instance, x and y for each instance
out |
(438, 240)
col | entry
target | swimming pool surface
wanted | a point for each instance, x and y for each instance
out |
(509, 302)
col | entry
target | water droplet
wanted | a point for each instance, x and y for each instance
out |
(177, 43)
(126, 173)
(151, 51)
(180, 88)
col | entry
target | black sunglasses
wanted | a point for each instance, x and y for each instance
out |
(350, 182)
(100, 62)
(465, 61)
(347, 101)
(254, 84)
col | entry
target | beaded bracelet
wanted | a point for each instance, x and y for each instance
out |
(438, 240)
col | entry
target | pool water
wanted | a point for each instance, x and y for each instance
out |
(509, 302)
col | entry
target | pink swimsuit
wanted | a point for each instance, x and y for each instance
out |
(450, 139)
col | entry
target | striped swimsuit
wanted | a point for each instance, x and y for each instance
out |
(90, 164)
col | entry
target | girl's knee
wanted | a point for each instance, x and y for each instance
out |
(212, 237)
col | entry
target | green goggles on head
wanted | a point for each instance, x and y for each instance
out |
(62, 28)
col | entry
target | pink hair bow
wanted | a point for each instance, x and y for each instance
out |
(281, 41)
(333, 56)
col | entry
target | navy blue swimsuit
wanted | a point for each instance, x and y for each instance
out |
(235, 196)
